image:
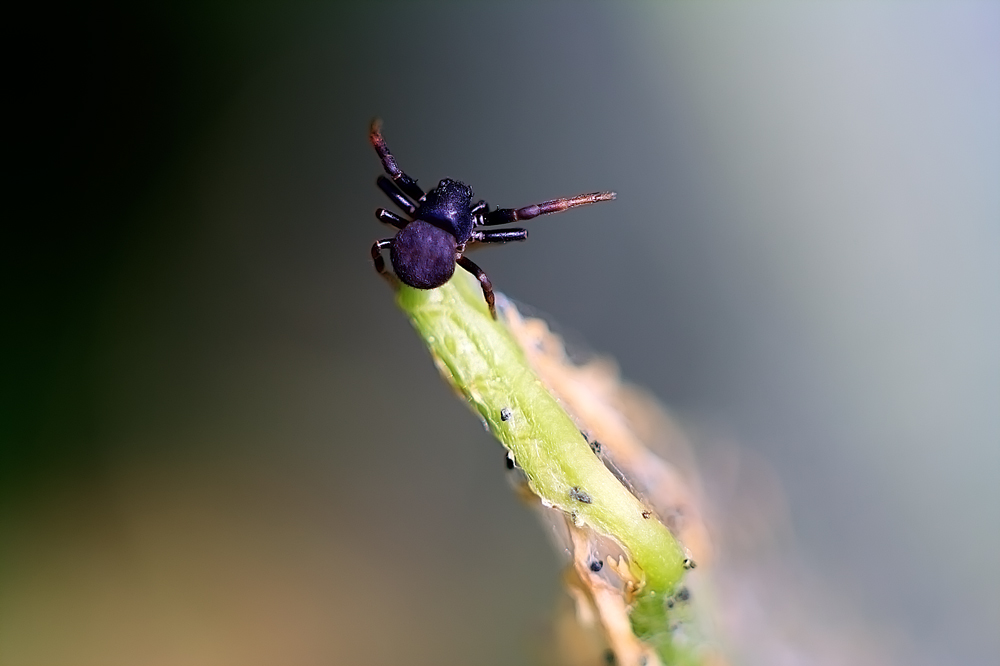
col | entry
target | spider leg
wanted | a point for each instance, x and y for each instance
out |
(389, 217)
(467, 264)
(499, 236)
(404, 182)
(377, 248)
(508, 215)
(396, 195)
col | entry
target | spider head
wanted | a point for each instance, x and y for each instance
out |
(449, 207)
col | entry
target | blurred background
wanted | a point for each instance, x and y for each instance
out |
(222, 444)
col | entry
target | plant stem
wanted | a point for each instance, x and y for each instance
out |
(481, 359)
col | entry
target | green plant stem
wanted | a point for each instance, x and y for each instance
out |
(485, 364)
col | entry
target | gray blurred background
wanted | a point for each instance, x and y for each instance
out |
(222, 444)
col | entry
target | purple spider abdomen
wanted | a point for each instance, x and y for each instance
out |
(423, 255)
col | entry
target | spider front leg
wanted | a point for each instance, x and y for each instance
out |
(404, 182)
(479, 210)
(508, 215)
(468, 265)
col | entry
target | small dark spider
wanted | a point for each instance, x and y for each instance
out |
(443, 222)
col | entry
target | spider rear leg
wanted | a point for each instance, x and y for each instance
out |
(508, 215)
(404, 182)
(468, 265)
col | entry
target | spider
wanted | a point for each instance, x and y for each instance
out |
(444, 222)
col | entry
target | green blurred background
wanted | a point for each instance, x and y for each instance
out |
(222, 444)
